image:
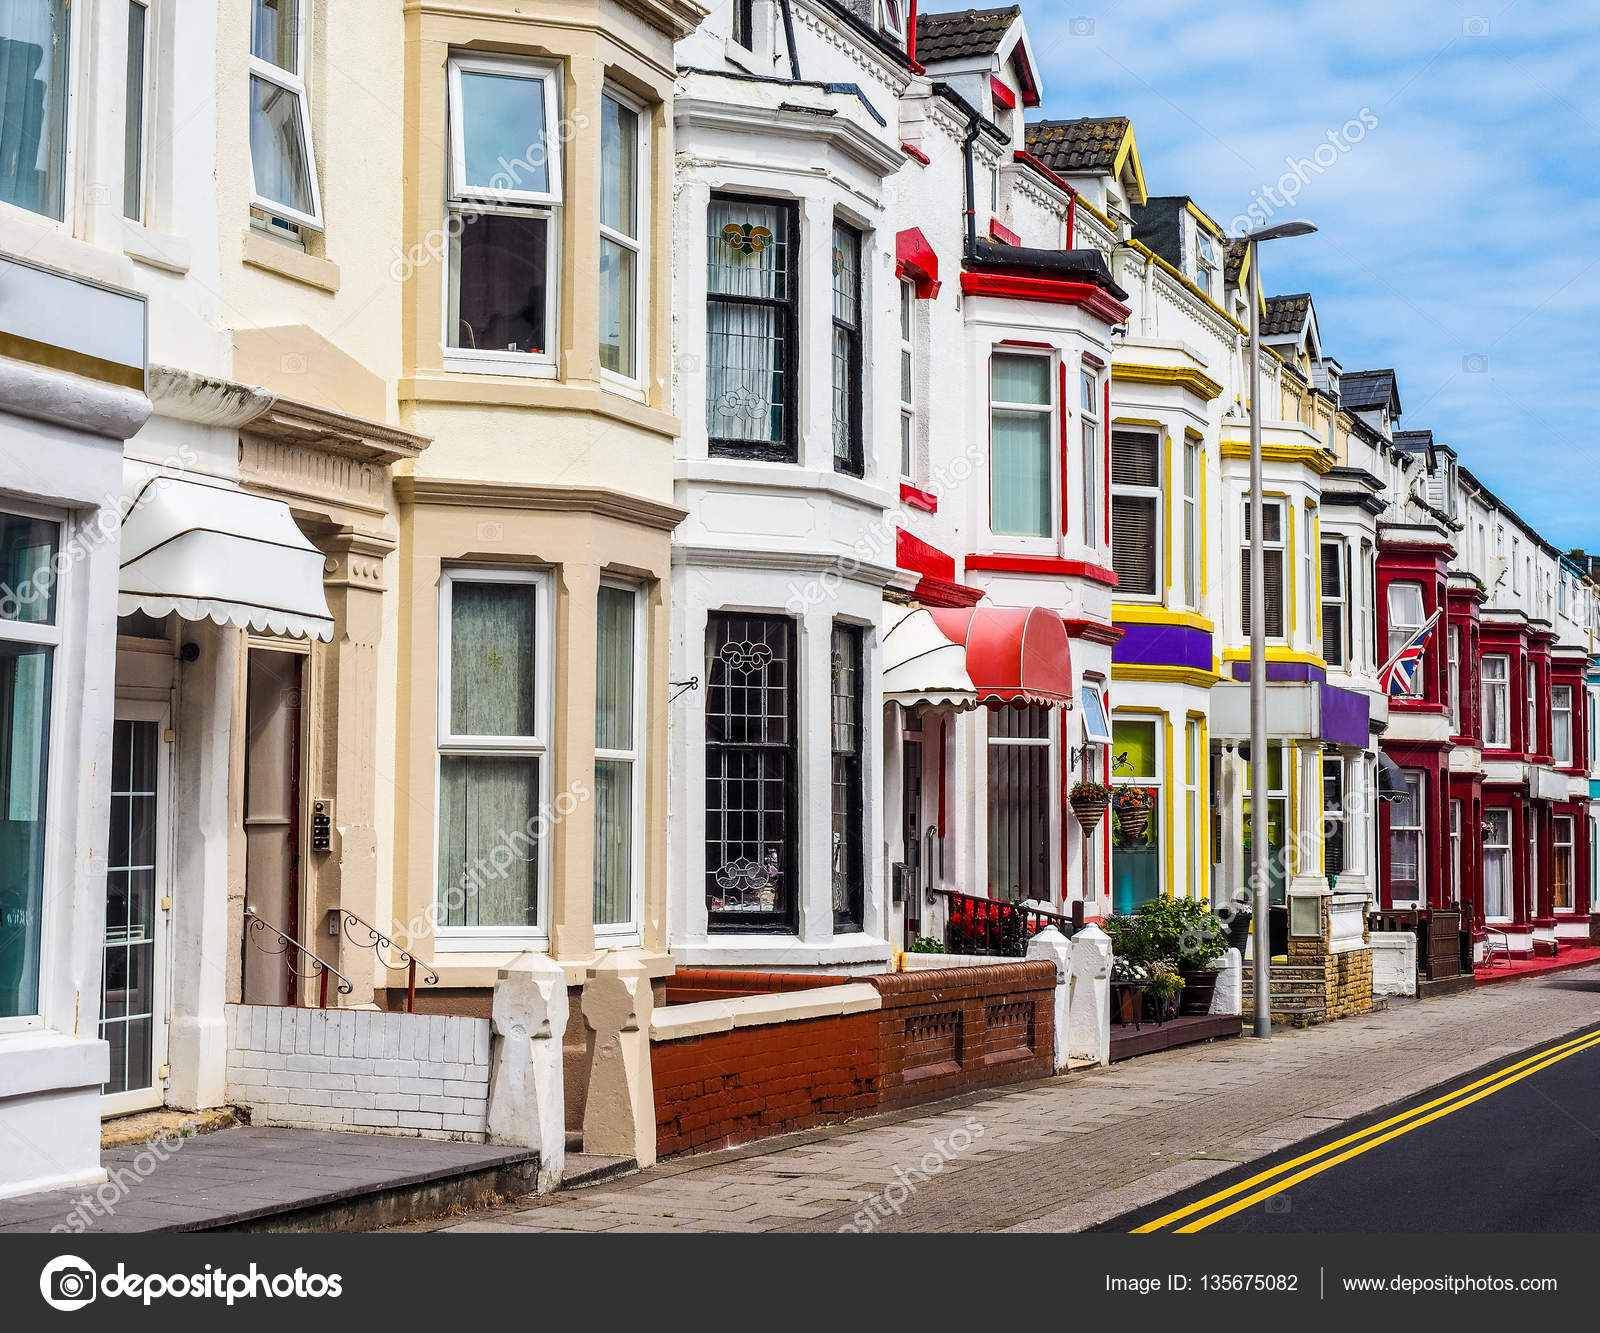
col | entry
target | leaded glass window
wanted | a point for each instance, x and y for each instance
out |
(846, 720)
(846, 350)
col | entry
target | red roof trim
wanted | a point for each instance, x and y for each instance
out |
(916, 259)
(1051, 290)
(1055, 178)
(1096, 631)
(1001, 232)
(917, 499)
(931, 591)
(1042, 564)
(916, 154)
(1003, 96)
(919, 557)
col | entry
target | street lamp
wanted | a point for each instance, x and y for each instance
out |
(1258, 638)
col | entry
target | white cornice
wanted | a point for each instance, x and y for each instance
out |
(850, 568)
(756, 122)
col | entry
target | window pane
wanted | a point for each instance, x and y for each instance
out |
(25, 678)
(275, 33)
(503, 132)
(1019, 806)
(1020, 379)
(846, 276)
(498, 283)
(491, 658)
(279, 159)
(1135, 459)
(133, 117)
(34, 49)
(613, 842)
(748, 249)
(614, 670)
(619, 167)
(27, 569)
(745, 372)
(1019, 465)
(618, 294)
(488, 855)
(1133, 556)
(845, 717)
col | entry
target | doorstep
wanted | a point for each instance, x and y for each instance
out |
(1514, 970)
(1128, 1041)
(257, 1178)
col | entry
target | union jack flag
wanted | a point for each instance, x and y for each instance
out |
(1399, 675)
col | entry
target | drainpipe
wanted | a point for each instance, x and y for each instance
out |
(788, 36)
(972, 185)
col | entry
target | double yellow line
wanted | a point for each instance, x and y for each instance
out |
(1236, 1198)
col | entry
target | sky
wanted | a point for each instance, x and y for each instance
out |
(1458, 202)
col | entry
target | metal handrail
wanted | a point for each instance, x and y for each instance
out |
(254, 921)
(989, 913)
(1489, 949)
(343, 917)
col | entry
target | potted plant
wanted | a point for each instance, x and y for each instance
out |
(1164, 988)
(1183, 933)
(1128, 980)
(1089, 801)
(1132, 806)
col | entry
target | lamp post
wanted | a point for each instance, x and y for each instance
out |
(1261, 897)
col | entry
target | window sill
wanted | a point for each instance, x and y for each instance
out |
(154, 248)
(512, 365)
(274, 257)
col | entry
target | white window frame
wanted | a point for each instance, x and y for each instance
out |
(1205, 262)
(1530, 738)
(1502, 850)
(1096, 721)
(1417, 781)
(1400, 631)
(1452, 685)
(620, 934)
(1559, 730)
(1047, 410)
(891, 16)
(1280, 543)
(1310, 559)
(54, 637)
(1194, 463)
(1049, 743)
(1455, 852)
(1489, 685)
(294, 84)
(639, 245)
(1569, 844)
(468, 939)
(146, 120)
(1339, 601)
(908, 379)
(1092, 413)
(520, 203)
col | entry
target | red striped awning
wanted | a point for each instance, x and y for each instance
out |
(1015, 655)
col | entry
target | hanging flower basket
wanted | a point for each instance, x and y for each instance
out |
(1133, 805)
(1090, 801)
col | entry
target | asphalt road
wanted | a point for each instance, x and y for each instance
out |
(1513, 1148)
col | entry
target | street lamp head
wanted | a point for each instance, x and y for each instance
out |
(1278, 230)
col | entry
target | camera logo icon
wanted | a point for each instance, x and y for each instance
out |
(67, 1283)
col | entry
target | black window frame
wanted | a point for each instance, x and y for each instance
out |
(786, 449)
(852, 463)
(846, 776)
(731, 627)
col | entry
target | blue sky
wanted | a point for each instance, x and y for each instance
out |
(1458, 238)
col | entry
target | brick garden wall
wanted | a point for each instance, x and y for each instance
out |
(936, 1035)
(690, 985)
(421, 1075)
(732, 1087)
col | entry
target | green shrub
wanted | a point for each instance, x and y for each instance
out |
(1179, 929)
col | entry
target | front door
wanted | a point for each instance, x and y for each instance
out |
(134, 981)
(272, 825)
(911, 791)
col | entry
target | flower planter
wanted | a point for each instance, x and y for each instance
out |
(1130, 1003)
(1133, 821)
(1199, 985)
(1090, 811)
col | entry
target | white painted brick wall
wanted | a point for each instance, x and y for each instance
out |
(361, 1070)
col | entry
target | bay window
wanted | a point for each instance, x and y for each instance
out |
(751, 769)
(1561, 726)
(1279, 771)
(493, 727)
(622, 259)
(908, 380)
(1561, 863)
(1497, 897)
(1136, 500)
(133, 111)
(1406, 616)
(618, 765)
(1453, 677)
(751, 247)
(1019, 803)
(846, 718)
(1273, 552)
(1455, 853)
(1495, 678)
(1308, 572)
(1531, 698)
(1021, 409)
(1335, 604)
(1333, 814)
(1089, 411)
(1193, 523)
(37, 37)
(29, 637)
(1406, 845)
(847, 450)
(283, 168)
(1136, 761)
(504, 206)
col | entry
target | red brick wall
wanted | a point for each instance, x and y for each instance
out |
(938, 1034)
(690, 985)
(954, 1030)
(733, 1087)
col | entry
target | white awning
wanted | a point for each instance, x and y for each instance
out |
(920, 663)
(202, 547)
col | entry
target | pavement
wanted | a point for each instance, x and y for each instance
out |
(1073, 1152)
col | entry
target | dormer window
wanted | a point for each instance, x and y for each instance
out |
(892, 20)
(1205, 263)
